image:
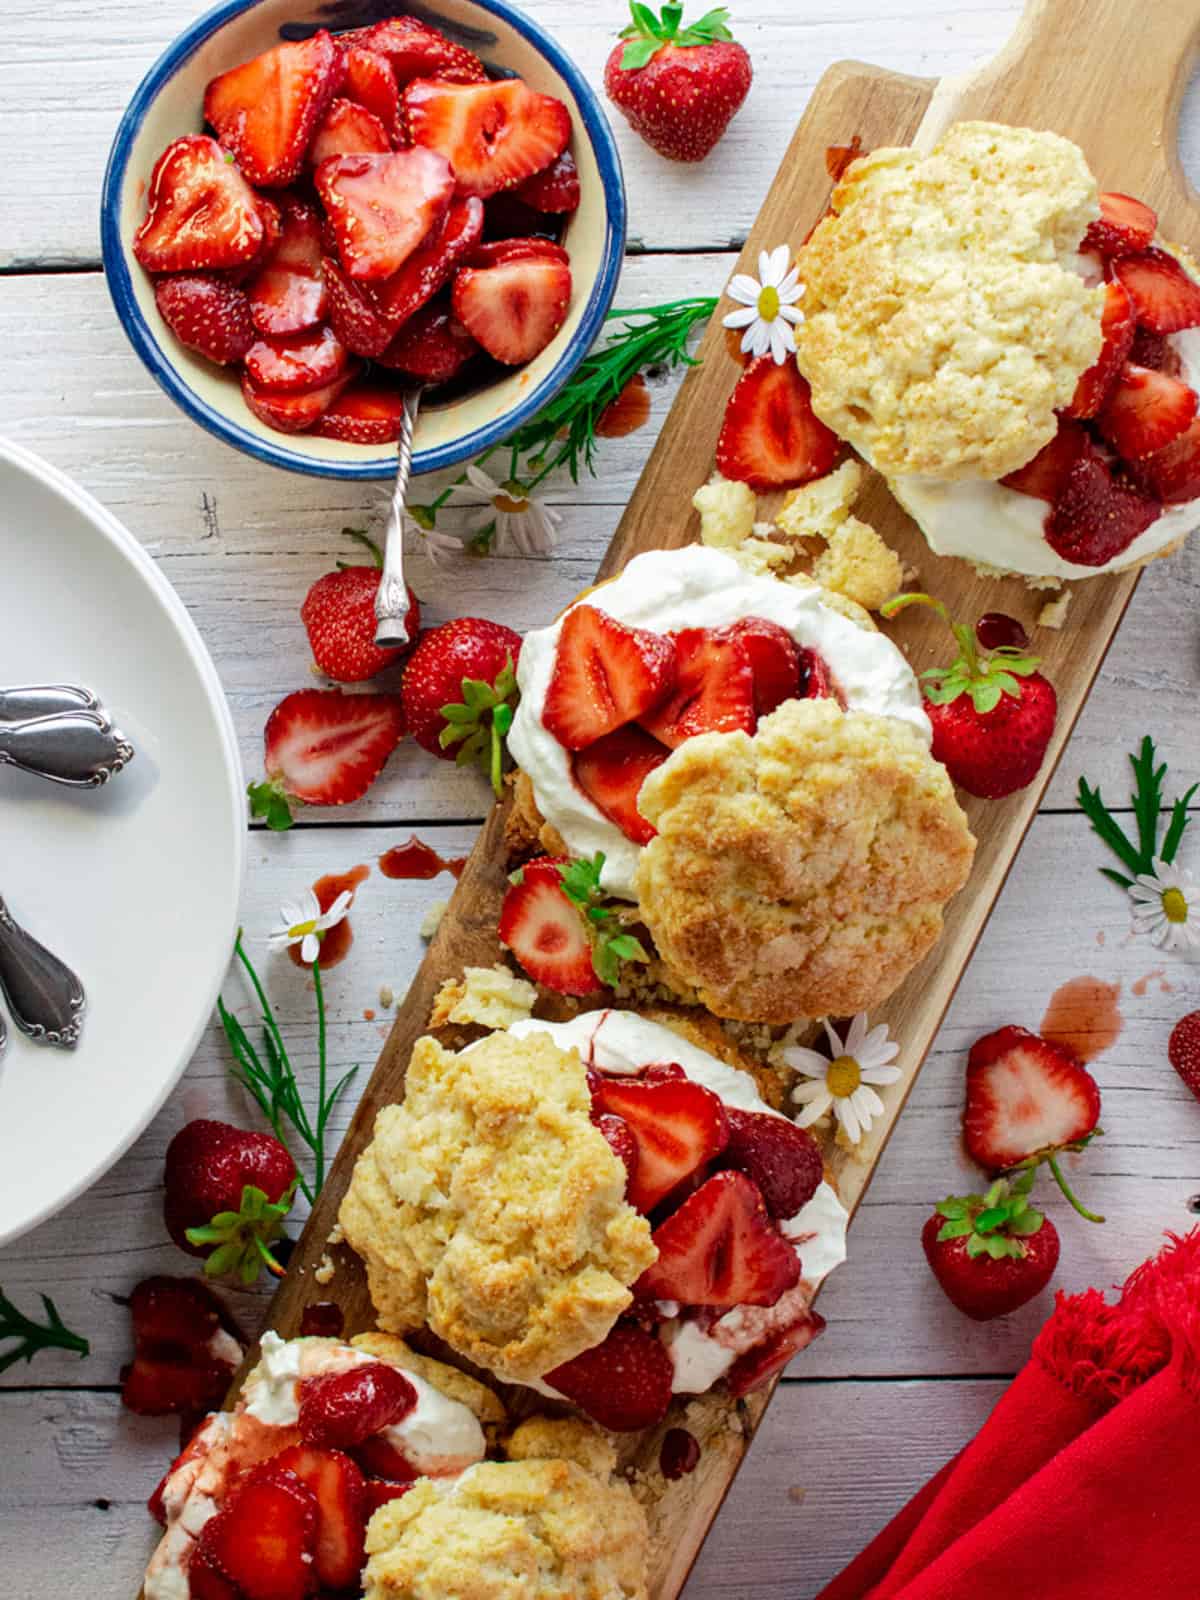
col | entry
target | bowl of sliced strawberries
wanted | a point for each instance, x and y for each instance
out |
(301, 225)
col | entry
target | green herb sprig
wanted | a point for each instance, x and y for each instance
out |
(31, 1337)
(611, 944)
(1139, 857)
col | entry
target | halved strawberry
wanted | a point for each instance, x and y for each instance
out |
(714, 689)
(1165, 299)
(432, 345)
(1095, 517)
(1125, 225)
(494, 135)
(354, 315)
(264, 1539)
(431, 264)
(605, 674)
(1172, 474)
(364, 413)
(759, 1365)
(210, 315)
(1145, 410)
(380, 1458)
(415, 50)
(547, 935)
(1025, 1097)
(370, 82)
(299, 361)
(382, 206)
(621, 1141)
(205, 1582)
(554, 189)
(265, 111)
(325, 748)
(679, 1127)
(180, 1312)
(201, 214)
(495, 252)
(287, 294)
(782, 1159)
(298, 412)
(154, 1386)
(771, 438)
(612, 771)
(1155, 350)
(272, 221)
(721, 1249)
(1118, 326)
(816, 680)
(340, 1409)
(379, 1492)
(1044, 476)
(624, 1383)
(348, 129)
(338, 1486)
(515, 309)
(774, 662)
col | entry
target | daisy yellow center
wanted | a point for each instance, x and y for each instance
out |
(302, 930)
(843, 1077)
(508, 505)
(768, 302)
(1175, 906)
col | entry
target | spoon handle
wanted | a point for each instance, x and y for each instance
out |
(391, 599)
(81, 749)
(45, 997)
(30, 701)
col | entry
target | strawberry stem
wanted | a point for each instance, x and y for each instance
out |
(1072, 1198)
(984, 677)
(268, 1259)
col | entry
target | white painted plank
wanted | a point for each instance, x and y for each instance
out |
(831, 1464)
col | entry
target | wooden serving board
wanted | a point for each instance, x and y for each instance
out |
(1107, 73)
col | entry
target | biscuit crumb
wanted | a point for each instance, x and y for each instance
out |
(727, 522)
(324, 1273)
(492, 997)
(387, 995)
(432, 920)
(856, 562)
(337, 1235)
(1054, 613)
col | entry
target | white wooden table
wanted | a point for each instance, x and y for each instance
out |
(900, 1380)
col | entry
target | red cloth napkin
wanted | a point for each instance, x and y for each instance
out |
(1084, 1483)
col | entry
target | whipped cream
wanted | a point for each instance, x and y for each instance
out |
(694, 588)
(624, 1042)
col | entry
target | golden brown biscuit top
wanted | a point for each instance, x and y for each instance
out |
(944, 324)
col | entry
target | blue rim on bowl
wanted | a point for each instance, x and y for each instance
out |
(120, 282)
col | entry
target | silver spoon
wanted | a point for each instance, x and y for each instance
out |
(391, 598)
(30, 701)
(81, 749)
(44, 996)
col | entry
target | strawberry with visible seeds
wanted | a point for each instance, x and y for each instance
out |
(494, 135)
(784, 1160)
(611, 773)
(432, 345)
(1165, 298)
(432, 264)
(296, 411)
(354, 315)
(1118, 327)
(1044, 476)
(324, 748)
(547, 934)
(605, 674)
(183, 1355)
(496, 252)
(459, 690)
(991, 1253)
(382, 206)
(348, 129)
(288, 293)
(714, 687)
(1155, 350)
(415, 50)
(621, 1141)
(760, 1364)
(210, 315)
(515, 309)
(226, 1192)
(205, 1582)
(1172, 475)
(624, 1383)
(1144, 411)
(678, 1126)
(339, 617)
(293, 363)
(370, 82)
(201, 214)
(678, 87)
(1124, 227)
(771, 437)
(363, 413)
(721, 1249)
(1097, 516)
(264, 1539)
(555, 189)
(265, 110)
(1183, 1050)
(338, 1410)
(338, 1486)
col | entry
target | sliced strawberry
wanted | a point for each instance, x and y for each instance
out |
(205, 1581)
(774, 662)
(721, 1249)
(370, 82)
(1095, 517)
(288, 294)
(555, 189)
(378, 1492)
(415, 50)
(294, 413)
(340, 1409)
(495, 252)
(365, 413)
(816, 680)
(380, 1458)
(515, 309)
(263, 1541)
(154, 1386)
(679, 1127)
(338, 1487)
(1044, 476)
(1155, 350)
(382, 206)
(431, 264)
(714, 689)
(326, 748)
(354, 315)
(623, 1384)
(1165, 299)
(759, 1365)
(1125, 225)
(210, 315)
(662, 1072)
(1172, 474)
(348, 129)
(494, 135)
(432, 345)
(201, 214)
(272, 221)
(771, 437)
(622, 1142)
(182, 1313)
(298, 362)
(605, 674)
(1118, 326)
(547, 935)
(1145, 410)
(265, 111)
(782, 1159)
(1025, 1096)
(611, 773)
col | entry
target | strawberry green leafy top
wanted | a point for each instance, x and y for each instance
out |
(648, 32)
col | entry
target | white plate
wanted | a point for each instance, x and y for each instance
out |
(136, 885)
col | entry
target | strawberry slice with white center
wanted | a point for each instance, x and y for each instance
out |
(370, 82)
(263, 1540)
(1025, 1097)
(298, 411)
(547, 934)
(298, 362)
(382, 206)
(265, 111)
(1172, 474)
(354, 315)
(365, 413)
(611, 773)
(1164, 298)
(287, 294)
(432, 345)
(1125, 225)
(325, 748)
(555, 189)
(679, 1127)
(1118, 326)
(516, 308)
(415, 50)
(338, 1486)
(771, 437)
(494, 135)
(1145, 410)
(210, 315)
(1044, 476)
(1095, 516)
(714, 689)
(201, 214)
(623, 1384)
(721, 1249)
(605, 674)
(759, 1365)
(431, 264)
(348, 129)
(774, 662)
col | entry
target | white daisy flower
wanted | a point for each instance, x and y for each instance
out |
(768, 305)
(441, 547)
(843, 1084)
(524, 525)
(303, 923)
(1166, 905)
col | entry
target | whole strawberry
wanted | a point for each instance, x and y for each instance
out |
(992, 1252)
(678, 87)
(459, 688)
(1183, 1050)
(992, 712)
(226, 1192)
(339, 614)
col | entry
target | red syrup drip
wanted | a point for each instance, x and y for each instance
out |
(679, 1454)
(323, 1319)
(335, 944)
(416, 859)
(1084, 1017)
(628, 412)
